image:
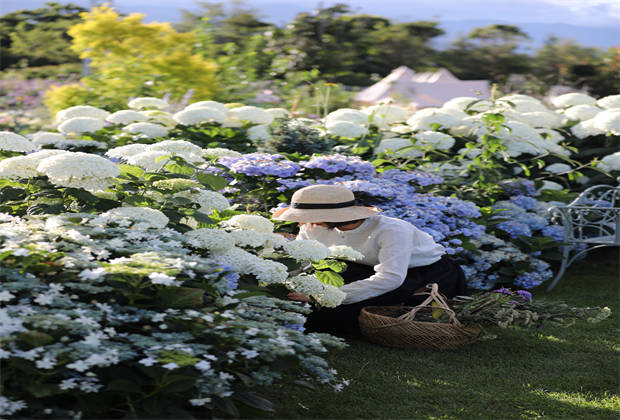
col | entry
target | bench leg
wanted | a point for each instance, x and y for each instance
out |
(565, 252)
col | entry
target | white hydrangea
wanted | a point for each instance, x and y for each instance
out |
(550, 185)
(437, 140)
(306, 249)
(144, 216)
(264, 270)
(346, 129)
(456, 113)
(80, 125)
(18, 167)
(25, 166)
(147, 129)
(200, 115)
(123, 152)
(47, 137)
(207, 200)
(147, 102)
(608, 102)
(585, 129)
(390, 113)
(79, 170)
(550, 135)
(521, 106)
(558, 168)
(252, 114)
(258, 133)
(423, 119)
(81, 111)
(470, 152)
(218, 152)
(572, 99)
(518, 97)
(611, 162)
(401, 129)
(209, 104)
(250, 222)
(256, 239)
(126, 116)
(395, 144)
(177, 147)
(149, 160)
(159, 117)
(608, 121)
(305, 283)
(279, 112)
(330, 297)
(345, 253)
(232, 123)
(581, 112)
(213, 239)
(347, 114)
(468, 102)
(541, 119)
(14, 142)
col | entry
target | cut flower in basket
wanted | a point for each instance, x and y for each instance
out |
(504, 307)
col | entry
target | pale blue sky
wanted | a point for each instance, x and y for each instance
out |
(577, 12)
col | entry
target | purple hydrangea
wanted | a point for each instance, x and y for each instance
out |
(503, 291)
(519, 187)
(261, 164)
(525, 295)
(340, 163)
(554, 231)
(515, 229)
(528, 203)
(421, 178)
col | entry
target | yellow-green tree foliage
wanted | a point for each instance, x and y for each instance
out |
(131, 58)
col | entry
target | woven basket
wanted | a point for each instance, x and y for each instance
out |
(396, 326)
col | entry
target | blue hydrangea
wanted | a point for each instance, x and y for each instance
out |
(515, 229)
(340, 163)
(529, 280)
(261, 164)
(421, 178)
(528, 203)
(519, 186)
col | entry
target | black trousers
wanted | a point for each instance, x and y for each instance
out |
(342, 320)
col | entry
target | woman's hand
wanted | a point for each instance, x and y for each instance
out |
(301, 297)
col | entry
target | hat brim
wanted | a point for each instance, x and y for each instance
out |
(344, 214)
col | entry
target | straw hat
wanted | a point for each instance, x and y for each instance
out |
(324, 203)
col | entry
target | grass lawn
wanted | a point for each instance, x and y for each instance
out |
(553, 372)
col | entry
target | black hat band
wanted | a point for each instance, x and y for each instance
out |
(316, 206)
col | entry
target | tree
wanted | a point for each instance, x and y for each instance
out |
(488, 52)
(131, 58)
(38, 37)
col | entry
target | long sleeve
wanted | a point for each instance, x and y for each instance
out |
(394, 254)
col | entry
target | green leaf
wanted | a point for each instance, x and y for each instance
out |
(252, 400)
(131, 171)
(213, 181)
(329, 277)
(122, 385)
(181, 297)
(176, 168)
(138, 200)
(43, 390)
(36, 338)
(334, 265)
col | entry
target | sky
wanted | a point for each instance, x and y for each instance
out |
(577, 12)
(590, 13)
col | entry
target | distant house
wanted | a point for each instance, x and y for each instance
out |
(420, 90)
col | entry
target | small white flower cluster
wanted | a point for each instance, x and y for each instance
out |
(324, 294)
(252, 114)
(8, 407)
(23, 167)
(398, 146)
(264, 270)
(212, 239)
(200, 115)
(390, 114)
(218, 152)
(207, 200)
(611, 162)
(79, 170)
(330, 297)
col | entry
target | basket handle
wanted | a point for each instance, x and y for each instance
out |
(435, 296)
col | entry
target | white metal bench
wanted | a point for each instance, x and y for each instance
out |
(592, 219)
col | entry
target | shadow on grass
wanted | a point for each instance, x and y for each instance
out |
(554, 372)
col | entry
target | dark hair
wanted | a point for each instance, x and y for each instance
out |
(332, 225)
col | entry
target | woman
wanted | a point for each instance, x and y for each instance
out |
(399, 259)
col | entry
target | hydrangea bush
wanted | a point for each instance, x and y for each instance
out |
(140, 271)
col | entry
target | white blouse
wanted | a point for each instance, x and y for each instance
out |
(390, 245)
